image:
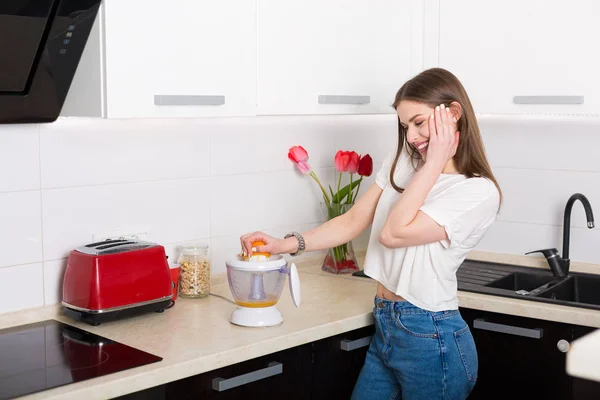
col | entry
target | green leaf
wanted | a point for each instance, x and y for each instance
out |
(346, 190)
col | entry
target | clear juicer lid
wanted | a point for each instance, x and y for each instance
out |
(275, 262)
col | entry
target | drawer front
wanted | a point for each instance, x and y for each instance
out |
(285, 374)
(518, 357)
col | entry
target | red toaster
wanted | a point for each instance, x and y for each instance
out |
(116, 278)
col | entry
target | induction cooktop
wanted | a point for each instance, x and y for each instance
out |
(48, 354)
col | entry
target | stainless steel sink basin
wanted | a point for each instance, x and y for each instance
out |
(517, 281)
(581, 289)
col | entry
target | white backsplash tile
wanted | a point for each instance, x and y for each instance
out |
(376, 135)
(520, 238)
(168, 211)
(248, 145)
(21, 286)
(54, 272)
(261, 144)
(19, 157)
(21, 228)
(542, 142)
(211, 180)
(267, 200)
(540, 196)
(78, 152)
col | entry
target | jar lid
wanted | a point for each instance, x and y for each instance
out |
(275, 262)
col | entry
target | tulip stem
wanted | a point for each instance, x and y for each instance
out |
(312, 173)
(357, 190)
(338, 191)
(349, 198)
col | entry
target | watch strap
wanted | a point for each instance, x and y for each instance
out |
(301, 243)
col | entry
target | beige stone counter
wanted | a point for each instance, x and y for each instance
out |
(583, 358)
(504, 305)
(196, 336)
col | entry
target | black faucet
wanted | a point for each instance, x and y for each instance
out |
(560, 265)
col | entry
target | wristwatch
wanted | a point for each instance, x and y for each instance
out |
(301, 243)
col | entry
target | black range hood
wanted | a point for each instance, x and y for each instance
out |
(41, 42)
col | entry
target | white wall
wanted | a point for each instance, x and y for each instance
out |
(207, 180)
(540, 161)
(214, 179)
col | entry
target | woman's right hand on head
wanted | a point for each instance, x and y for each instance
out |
(271, 245)
(443, 136)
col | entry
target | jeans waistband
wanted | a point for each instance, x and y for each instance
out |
(405, 307)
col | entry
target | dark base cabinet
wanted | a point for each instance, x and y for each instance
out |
(282, 375)
(520, 358)
(337, 361)
(154, 393)
(325, 369)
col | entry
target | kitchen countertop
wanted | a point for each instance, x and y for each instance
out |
(196, 336)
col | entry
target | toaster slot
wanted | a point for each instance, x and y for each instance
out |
(114, 250)
(106, 242)
(111, 245)
(114, 246)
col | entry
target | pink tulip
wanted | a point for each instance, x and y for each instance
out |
(353, 163)
(300, 157)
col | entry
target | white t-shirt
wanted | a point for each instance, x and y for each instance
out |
(425, 275)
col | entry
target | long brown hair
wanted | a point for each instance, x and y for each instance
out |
(437, 86)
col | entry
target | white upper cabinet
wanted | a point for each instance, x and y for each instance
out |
(335, 56)
(515, 56)
(178, 58)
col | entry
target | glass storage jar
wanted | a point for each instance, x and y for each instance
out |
(194, 277)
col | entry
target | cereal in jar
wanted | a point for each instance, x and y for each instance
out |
(194, 278)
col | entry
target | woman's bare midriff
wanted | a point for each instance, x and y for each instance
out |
(383, 293)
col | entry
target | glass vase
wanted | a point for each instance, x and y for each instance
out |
(340, 259)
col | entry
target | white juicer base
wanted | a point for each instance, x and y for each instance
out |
(259, 316)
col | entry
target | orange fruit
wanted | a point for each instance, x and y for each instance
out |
(264, 253)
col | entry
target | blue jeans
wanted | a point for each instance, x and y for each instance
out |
(417, 354)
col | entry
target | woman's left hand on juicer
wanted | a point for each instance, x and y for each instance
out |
(271, 245)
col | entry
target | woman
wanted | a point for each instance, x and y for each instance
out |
(432, 201)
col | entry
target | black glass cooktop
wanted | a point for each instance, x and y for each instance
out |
(48, 354)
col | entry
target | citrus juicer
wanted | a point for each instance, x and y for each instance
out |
(256, 284)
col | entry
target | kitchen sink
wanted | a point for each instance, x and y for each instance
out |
(576, 288)
(528, 283)
(522, 281)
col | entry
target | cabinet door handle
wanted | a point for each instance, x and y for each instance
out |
(350, 345)
(188, 100)
(221, 384)
(535, 333)
(343, 99)
(548, 99)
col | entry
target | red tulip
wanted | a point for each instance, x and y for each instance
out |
(341, 160)
(365, 166)
(300, 157)
(353, 163)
